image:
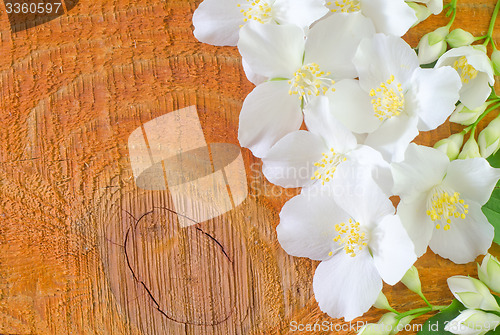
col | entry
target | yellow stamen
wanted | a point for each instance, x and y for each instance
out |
(444, 207)
(388, 99)
(310, 81)
(351, 237)
(467, 72)
(344, 6)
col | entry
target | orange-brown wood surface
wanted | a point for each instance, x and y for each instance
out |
(72, 90)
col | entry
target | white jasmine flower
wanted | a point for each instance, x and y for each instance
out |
(441, 202)
(473, 322)
(356, 235)
(324, 153)
(476, 73)
(218, 22)
(394, 98)
(392, 17)
(298, 70)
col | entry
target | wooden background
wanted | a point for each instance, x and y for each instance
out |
(71, 92)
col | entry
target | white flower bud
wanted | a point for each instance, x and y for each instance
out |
(451, 145)
(495, 61)
(489, 272)
(472, 293)
(421, 12)
(459, 38)
(489, 139)
(470, 150)
(412, 280)
(428, 53)
(473, 322)
(465, 116)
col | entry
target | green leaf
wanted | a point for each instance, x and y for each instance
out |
(436, 324)
(494, 160)
(492, 208)
(428, 66)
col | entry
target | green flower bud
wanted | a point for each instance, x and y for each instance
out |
(438, 35)
(459, 38)
(381, 302)
(427, 52)
(472, 293)
(489, 139)
(489, 272)
(495, 60)
(471, 321)
(465, 116)
(421, 12)
(412, 280)
(470, 149)
(451, 145)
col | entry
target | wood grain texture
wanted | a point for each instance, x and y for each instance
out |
(82, 249)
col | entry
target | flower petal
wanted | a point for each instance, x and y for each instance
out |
(473, 178)
(332, 43)
(434, 93)
(352, 106)
(290, 162)
(306, 228)
(299, 12)
(346, 286)
(392, 249)
(273, 51)
(319, 120)
(422, 169)
(417, 223)
(381, 56)
(391, 17)
(217, 22)
(268, 114)
(393, 136)
(359, 195)
(474, 93)
(467, 238)
(253, 77)
(368, 158)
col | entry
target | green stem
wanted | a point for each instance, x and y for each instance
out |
(421, 311)
(425, 299)
(453, 7)
(486, 112)
(489, 34)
